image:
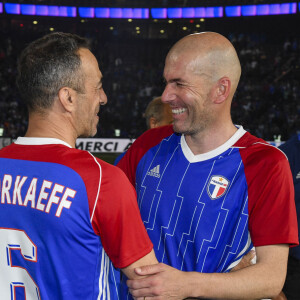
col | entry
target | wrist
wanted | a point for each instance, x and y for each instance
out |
(193, 285)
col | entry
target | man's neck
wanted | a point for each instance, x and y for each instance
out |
(209, 139)
(50, 127)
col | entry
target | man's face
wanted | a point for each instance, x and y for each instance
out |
(93, 96)
(188, 95)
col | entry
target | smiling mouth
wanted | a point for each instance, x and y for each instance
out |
(178, 111)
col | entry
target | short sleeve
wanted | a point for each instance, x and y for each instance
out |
(141, 145)
(117, 219)
(272, 214)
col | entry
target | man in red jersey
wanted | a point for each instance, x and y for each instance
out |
(66, 212)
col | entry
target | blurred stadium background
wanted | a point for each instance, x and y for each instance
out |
(131, 38)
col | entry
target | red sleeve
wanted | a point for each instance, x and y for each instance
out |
(272, 213)
(141, 145)
(117, 219)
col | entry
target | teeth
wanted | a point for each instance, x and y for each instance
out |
(178, 111)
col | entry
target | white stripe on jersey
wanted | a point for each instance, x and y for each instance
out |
(98, 192)
(241, 253)
(104, 292)
(105, 283)
(107, 263)
(101, 275)
(114, 280)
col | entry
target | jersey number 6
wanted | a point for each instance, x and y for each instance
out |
(11, 276)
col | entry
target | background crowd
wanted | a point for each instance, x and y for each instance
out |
(266, 103)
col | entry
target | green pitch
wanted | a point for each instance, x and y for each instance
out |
(108, 157)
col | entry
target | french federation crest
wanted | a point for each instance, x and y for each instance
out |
(217, 186)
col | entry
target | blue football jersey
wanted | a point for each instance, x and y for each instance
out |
(65, 219)
(204, 212)
(180, 194)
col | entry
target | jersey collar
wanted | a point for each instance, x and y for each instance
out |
(39, 141)
(211, 154)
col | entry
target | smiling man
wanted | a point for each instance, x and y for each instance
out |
(210, 191)
(64, 214)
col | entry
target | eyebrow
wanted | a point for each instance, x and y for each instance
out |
(174, 80)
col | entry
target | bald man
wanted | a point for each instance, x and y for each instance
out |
(209, 191)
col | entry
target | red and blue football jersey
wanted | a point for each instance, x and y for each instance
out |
(64, 217)
(204, 212)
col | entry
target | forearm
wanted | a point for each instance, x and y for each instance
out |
(250, 283)
(263, 280)
(148, 259)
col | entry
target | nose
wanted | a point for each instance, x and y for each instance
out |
(168, 94)
(103, 97)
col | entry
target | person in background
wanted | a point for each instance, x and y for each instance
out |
(157, 114)
(209, 191)
(64, 214)
(292, 150)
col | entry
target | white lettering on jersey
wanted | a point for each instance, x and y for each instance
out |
(53, 198)
(64, 202)
(17, 190)
(30, 196)
(10, 192)
(6, 185)
(43, 195)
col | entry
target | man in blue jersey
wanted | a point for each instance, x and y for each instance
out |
(210, 191)
(64, 214)
(292, 150)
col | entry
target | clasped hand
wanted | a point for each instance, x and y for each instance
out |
(160, 282)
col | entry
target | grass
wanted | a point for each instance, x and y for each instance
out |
(108, 157)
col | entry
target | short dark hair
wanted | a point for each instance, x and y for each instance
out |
(48, 64)
(155, 109)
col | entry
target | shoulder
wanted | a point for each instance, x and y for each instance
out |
(140, 147)
(154, 136)
(111, 173)
(85, 162)
(253, 149)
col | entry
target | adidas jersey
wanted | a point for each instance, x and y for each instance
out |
(204, 212)
(64, 217)
(292, 150)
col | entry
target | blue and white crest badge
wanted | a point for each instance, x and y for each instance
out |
(217, 186)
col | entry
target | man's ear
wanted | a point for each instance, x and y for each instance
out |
(222, 90)
(152, 122)
(67, 98)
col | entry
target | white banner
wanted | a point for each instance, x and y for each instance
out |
(104, 145)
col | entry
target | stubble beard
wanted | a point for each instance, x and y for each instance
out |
(197, 125)
(91, 132)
